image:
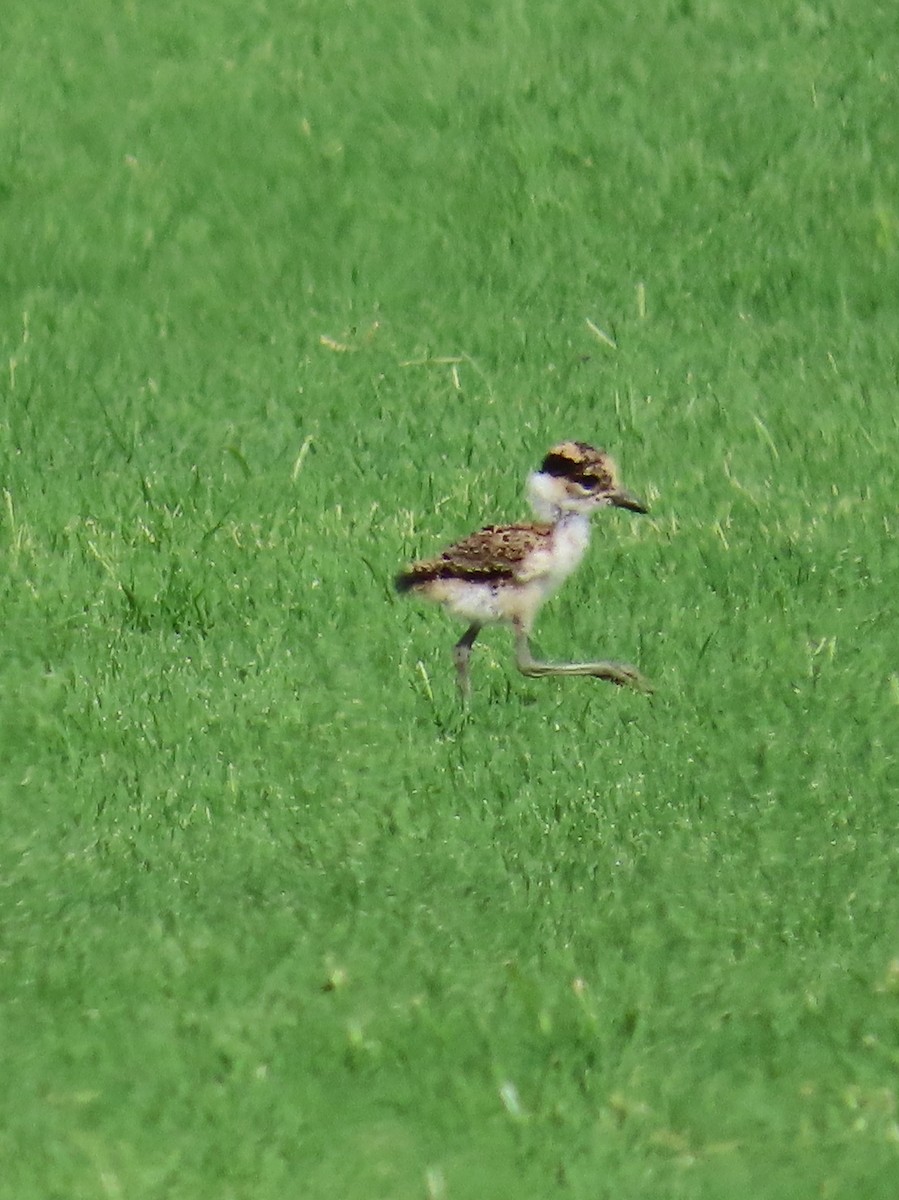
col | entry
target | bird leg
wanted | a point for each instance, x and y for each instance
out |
(618, 673)
(461, 655)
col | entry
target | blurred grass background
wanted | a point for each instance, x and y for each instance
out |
(293, 292)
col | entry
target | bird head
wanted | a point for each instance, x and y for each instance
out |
(576, 478)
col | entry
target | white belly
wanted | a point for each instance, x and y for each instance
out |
(487, 604)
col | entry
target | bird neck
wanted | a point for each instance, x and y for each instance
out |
(573, 520)
(570, 539)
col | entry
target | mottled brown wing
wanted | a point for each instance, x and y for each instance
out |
(496, 546)
(492, 554)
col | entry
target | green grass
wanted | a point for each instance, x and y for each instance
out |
(277, 919)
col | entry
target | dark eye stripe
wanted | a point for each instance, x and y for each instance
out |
(559, 466)
(593, 483)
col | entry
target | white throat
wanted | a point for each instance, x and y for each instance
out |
(543, 497)
(548, 498)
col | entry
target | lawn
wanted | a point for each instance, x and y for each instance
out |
(292, 293)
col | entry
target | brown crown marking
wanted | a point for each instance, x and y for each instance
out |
(580, 463)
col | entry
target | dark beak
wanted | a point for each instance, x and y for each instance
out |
(623, 499)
